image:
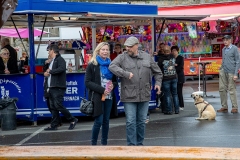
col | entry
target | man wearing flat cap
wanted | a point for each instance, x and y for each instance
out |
(228, 75)
(135, 67)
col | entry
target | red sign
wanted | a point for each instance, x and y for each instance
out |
(191, 68)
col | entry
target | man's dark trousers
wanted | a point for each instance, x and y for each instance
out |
(56, 105)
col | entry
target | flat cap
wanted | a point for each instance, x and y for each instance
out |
(131, 41)
(227, 37)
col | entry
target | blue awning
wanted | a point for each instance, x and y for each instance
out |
(58, 7)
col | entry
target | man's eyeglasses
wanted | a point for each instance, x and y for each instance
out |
(5, 54)
(166, 51)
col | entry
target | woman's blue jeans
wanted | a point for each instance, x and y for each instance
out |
(102, 121)
(136, 114)
(170, 94)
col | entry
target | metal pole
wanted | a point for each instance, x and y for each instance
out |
(154, 37)
(19, 35)
(93, 36)
(41, 36)
(32, 67)
(160, 32)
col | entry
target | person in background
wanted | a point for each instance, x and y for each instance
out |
(166, 62)
(160, 51)
(5, 43)
(228, 75)
(100, 82)
(56, 74)
(179, 66)
(160, 97)
(135, 68)
(7, 64)
(111, 43)
(45, 86)
(117, 51)
(23, 62)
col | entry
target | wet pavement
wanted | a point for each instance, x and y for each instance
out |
(162, 130)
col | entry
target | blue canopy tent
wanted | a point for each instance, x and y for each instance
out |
(86, 12)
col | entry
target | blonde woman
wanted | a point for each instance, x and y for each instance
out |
(7, 64)
(96, 79)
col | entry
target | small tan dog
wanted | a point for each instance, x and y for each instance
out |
(205, 110)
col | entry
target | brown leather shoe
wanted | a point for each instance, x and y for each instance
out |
(234, 110)
(224, 110)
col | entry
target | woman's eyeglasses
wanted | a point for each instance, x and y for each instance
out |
(5, 54)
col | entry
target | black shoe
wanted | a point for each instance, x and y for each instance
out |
(176, 112)
(73, 124)
(168, 113)
(50, 128)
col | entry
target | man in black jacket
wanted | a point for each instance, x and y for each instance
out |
(56, 74)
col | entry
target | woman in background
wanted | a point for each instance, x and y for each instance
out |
(23, 62)
(179, 66)
(7, 64)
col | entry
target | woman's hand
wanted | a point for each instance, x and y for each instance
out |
(6, 71)
(110, 87)
(106, 92)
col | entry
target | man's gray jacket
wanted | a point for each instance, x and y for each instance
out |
(138, 88)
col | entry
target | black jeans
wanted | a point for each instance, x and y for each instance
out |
(180, 94)
(56, 105)
(48, 105)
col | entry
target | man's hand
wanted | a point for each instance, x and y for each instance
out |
(48, 70)
(157, 87)
(46, 74)
(155, 53)
(131, 75)
(235, 78)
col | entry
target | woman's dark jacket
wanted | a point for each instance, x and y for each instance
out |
(22, 64)
(180, 69)
(93, 83)
(11, 65)
(58, 72)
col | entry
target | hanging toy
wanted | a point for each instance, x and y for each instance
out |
(213, 25)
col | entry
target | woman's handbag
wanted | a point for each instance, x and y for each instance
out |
(86, 106)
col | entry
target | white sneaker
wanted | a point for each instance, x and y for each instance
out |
(181, 108)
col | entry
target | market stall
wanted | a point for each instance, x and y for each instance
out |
(29, 87)
(217, 20)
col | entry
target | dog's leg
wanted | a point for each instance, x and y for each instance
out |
(201, 118)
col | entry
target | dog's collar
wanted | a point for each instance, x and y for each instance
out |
(200, 102)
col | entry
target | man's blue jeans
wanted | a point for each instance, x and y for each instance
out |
(136, 114)
(170, 94)
(102, 120)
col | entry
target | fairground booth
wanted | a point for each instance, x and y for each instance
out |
(204, 37)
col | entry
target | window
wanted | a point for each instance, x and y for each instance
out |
(53, 32)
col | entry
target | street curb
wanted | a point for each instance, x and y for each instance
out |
(118, 153)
